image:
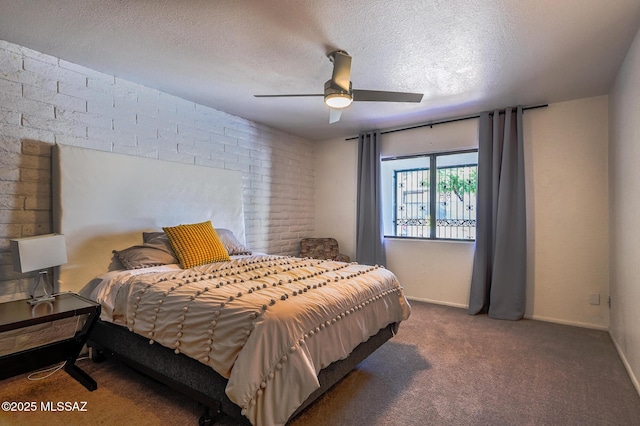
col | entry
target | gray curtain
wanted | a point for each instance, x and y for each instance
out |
(369, 231)
(498, 283)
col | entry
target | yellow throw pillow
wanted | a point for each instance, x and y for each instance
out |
(196, 244)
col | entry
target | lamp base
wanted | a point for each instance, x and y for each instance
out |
(42, 281)
(36, 300)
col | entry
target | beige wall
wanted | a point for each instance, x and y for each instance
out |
(566, 150)
(624, 177)
(567, 197)
(335, 195)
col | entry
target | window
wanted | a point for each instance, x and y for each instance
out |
(430, 196)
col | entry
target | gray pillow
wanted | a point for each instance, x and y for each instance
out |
(229, 240)
(153, 252)
(231, 243)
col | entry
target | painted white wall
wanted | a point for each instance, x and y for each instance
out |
(624, 175)
(566, 160)
(567, 208)
(335, 195)
(432, 271)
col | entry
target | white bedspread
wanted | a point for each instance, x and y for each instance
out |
(269, 324)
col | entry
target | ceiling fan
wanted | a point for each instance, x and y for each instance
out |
(338, 93)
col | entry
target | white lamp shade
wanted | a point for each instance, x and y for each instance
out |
(37, 253)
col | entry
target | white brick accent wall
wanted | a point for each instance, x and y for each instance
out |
(46, 100)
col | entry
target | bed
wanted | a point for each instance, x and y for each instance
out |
(256, 336)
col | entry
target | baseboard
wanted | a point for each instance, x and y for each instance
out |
(567, 322)
(438, 302)
(626, 364)
(532, 317)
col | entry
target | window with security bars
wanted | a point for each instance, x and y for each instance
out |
(433, 196)
(412, 199)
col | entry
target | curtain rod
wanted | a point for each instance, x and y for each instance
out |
(450, 120)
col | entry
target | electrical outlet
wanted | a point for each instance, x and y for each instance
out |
(594, 298)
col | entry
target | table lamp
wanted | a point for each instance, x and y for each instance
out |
(39, 253)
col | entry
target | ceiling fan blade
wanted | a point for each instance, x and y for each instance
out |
(382, 96)
(334, 115)
(341, 70)
(298, 95)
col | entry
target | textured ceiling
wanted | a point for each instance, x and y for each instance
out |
(464, 55)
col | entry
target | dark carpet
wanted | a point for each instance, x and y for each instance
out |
(443, 368)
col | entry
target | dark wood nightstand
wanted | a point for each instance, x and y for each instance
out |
(19, 314)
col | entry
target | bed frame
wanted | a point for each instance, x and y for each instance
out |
(103, 201)
(198, 381)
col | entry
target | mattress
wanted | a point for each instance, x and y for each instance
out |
(268, 324)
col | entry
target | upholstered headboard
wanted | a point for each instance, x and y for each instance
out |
(103, 201)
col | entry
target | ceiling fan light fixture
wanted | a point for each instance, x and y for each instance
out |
(338, 100)
(339, 94)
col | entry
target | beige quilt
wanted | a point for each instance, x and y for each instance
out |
(267, 323)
